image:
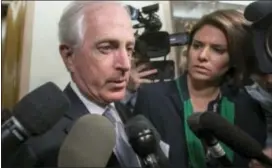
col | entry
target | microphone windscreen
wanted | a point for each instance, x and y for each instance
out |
(40, 110)
(231, 135)
(139, 123)
(90, 143)
(138, 126)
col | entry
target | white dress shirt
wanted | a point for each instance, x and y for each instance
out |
(96, 109)
(91, 106)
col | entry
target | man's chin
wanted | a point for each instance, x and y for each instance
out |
(115, 96)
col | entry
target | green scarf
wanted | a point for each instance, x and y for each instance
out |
(194, 145)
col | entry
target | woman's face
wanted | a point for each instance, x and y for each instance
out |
(208, 56)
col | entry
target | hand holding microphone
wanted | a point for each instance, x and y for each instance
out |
(236, 139)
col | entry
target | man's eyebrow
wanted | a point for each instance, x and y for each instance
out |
(106, 40)
(131, 43)
(111, 40)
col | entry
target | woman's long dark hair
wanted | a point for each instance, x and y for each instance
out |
(233, 24)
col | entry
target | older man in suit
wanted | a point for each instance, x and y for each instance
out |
(96, 44)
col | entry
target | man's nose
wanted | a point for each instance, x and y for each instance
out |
(123, 60)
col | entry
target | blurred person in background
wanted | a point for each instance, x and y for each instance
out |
(260, 63)
(139, 73)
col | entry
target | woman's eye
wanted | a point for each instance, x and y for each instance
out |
(219, 50)
(196, 46)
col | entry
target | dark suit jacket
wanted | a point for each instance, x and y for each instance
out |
(161, 104)
(43, 151)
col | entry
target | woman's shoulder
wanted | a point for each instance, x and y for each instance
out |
(245, 105)
(239, 95)
(249, 115)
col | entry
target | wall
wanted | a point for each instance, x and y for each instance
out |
(3, 31)
(187, 9)
(46, 64)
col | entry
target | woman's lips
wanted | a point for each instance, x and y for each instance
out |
(201, 69)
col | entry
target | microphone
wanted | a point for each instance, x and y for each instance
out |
(33, 115)
(5, 114)
(89, 144)
(144, 140)
(215, 150)
(230, 135)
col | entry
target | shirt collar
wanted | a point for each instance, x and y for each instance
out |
(92, 107)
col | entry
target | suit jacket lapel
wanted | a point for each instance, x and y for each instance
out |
(77, 109)
(123, 111)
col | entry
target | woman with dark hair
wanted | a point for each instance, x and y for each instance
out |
(212, 82)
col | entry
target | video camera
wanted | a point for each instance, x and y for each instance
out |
(260, 13)
(153, 43)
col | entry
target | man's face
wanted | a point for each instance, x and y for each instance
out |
(100, 67)
(265, 81)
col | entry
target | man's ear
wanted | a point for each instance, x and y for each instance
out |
(67, 54)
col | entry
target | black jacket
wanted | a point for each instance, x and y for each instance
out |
(161, 104)
(42, 151)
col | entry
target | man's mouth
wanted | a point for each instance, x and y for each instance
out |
(120, 83)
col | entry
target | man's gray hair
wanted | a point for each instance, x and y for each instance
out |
(71, 25)
(71, 28)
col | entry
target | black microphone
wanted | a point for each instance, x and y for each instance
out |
(33, 115)
(215, 150)
(145, 140)
(5, 115)
(89, 143)
(231, 135)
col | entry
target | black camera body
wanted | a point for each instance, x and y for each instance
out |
(153, 43)
(152, 22)
(260, 14)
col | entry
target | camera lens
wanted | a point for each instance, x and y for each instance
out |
(268, 41)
